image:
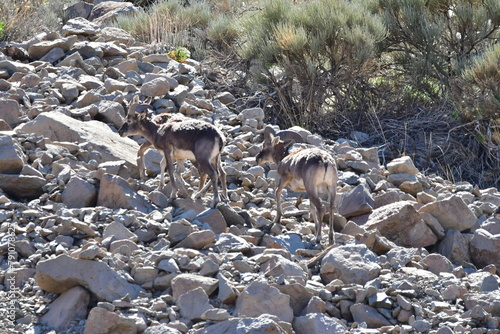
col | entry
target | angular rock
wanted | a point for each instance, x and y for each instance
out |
(489, 301)
(369, 315)
(116, 193)
(119, 232)
(108, 10)
(231, 243)
(79, 9)
(102, 321)
(261, 325)
(318, 323)
(452, 213)
(456, 247)
(111, 147)
(277, 265)
(227, 292)
(156, 87)
(214, 219)
(12, 158)
(110, 34)
(402, 165)
(111, 112)
(161, 329)
(80, 26)
(197, 240)
(193, 304)
(10, 112)
(69, 306)
(187, 282)
(40, 49)
(351, 264)
(22, 186)
(260, 298)
(437, 263)
(485, 249)
(79, 193)
(62, 273)
(402, 224)
(299, 296)
(356, 201)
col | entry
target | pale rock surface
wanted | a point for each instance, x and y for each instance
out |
(261, 325)
(156, 87)
(10, 111)
(351, 264)
(369, 315)
(79, 193)
(402, 224)
(356, 201)
(260, 298)
(22, 186)
(489, 301)
(80, 26)
(187, 282)
(115, 192)
(12, 158)
(299, 295)
(59, 127)
(193, 304)
(69, 306)
(63, 273)
(437, 263)
(197, 240)
(485, 249)
(318, 323)
(102, 321)
(402, 165)
(452, 213)
(119, 232)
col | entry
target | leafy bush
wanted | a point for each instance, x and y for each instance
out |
(180, 54)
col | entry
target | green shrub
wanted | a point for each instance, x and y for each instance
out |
(170, 23)
(180, 54)
(26, 18)
(321, 49)
(434, 41)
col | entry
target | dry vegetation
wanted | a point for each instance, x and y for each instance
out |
(419, 77)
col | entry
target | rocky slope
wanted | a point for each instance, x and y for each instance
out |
(87, 247)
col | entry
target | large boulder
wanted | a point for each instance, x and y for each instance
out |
(22, 186)
(12, 158)
(402, 224)
(63, 272)
(10, 112)
(58, 127)
(260, 298)
(484, 248)
(452, 213)
(351, 264)
(184, 283)
(356, 201)
(102, 321)
(318, 323)
(261, 325)
(116, 193)
(69, 306)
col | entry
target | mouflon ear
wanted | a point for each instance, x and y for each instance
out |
(275, 140)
